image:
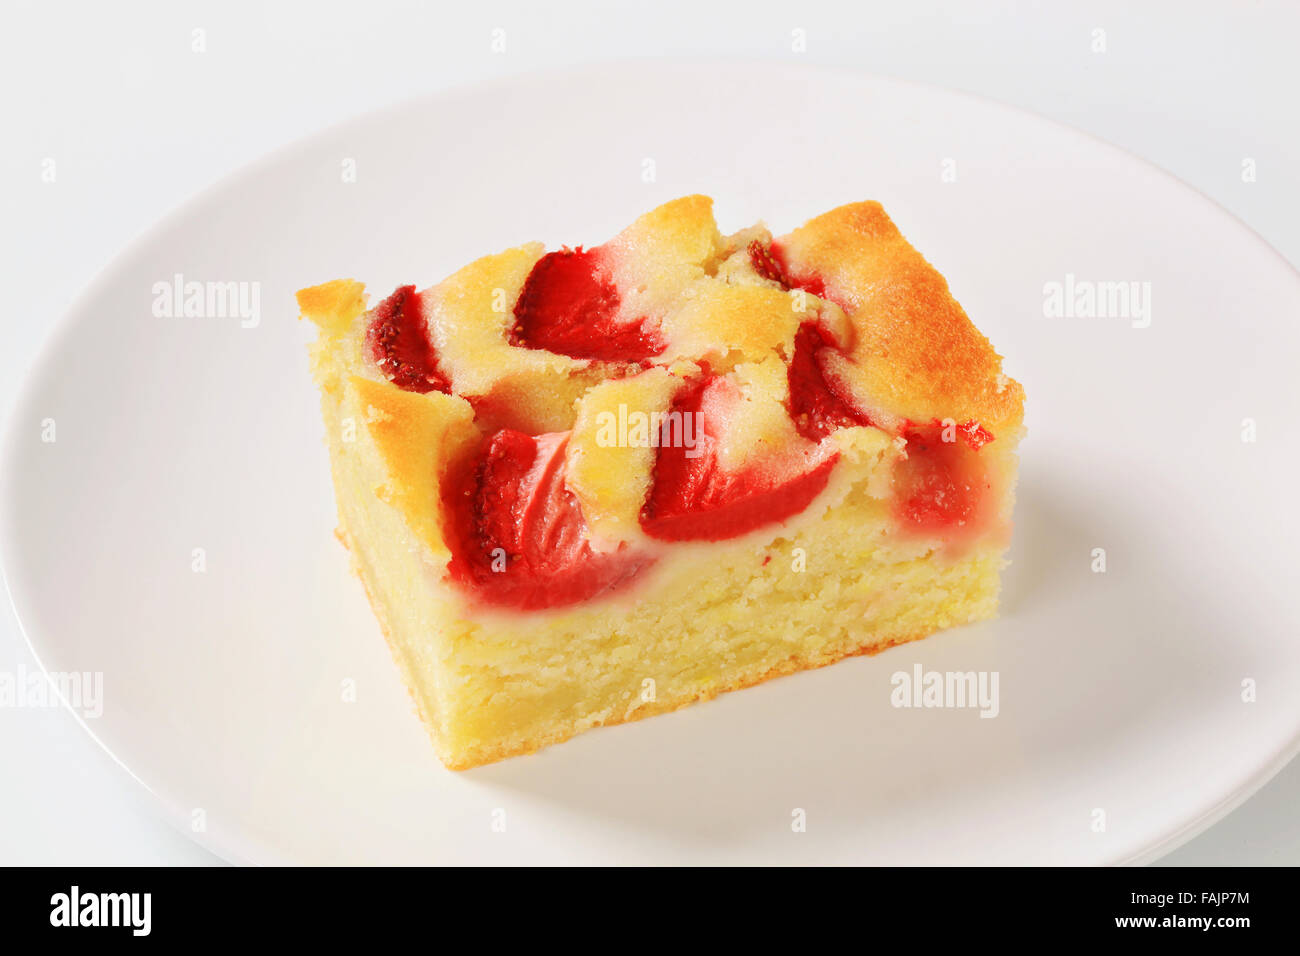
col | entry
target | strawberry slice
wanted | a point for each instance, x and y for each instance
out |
(815, 404)
(692, 498)
(769, 262)
(523, 540)
(942, 487)
(398, 341)
(569, 305)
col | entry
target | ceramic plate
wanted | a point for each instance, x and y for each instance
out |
(167, 512)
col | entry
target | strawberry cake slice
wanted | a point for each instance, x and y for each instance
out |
(590, 485)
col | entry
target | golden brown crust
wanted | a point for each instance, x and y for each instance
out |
(419, 438)
(333, 305)
(740, 322)
(918, 355)
(680, 234)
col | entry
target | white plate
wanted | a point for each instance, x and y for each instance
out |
(1121, 692)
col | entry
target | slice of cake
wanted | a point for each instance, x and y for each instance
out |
(590, 485)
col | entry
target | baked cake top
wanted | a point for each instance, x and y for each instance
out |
(508, 401)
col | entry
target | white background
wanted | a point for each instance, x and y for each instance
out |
(136, 120)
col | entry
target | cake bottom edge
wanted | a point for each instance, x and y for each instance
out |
(489, 754)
